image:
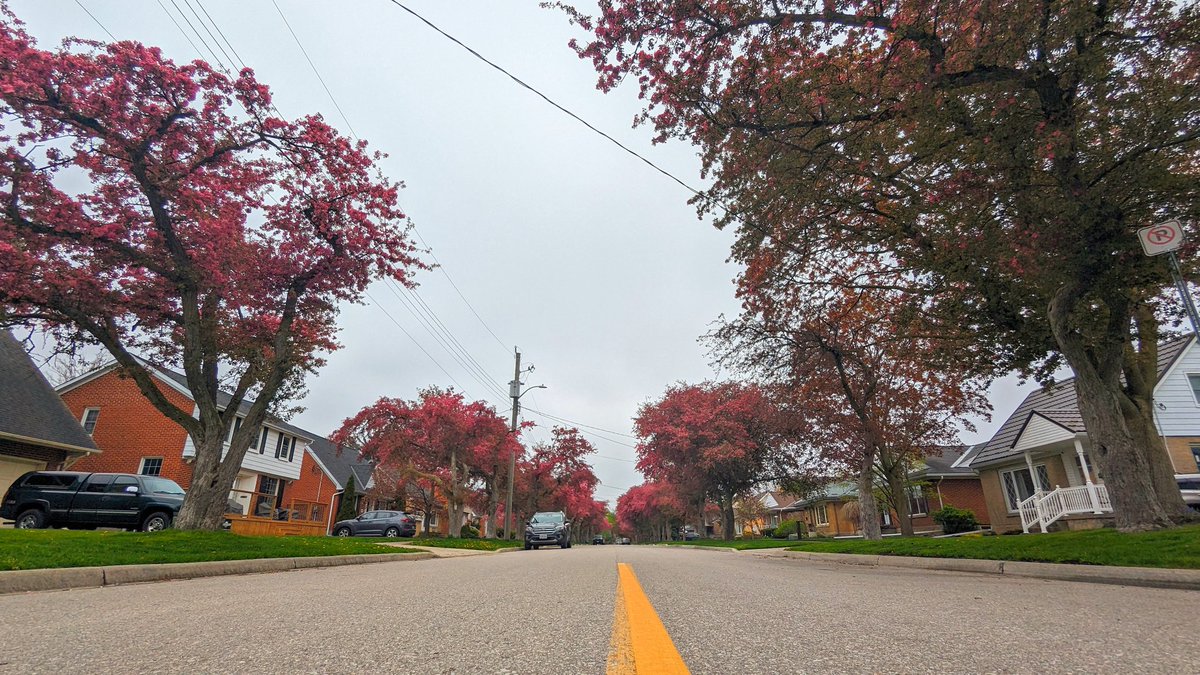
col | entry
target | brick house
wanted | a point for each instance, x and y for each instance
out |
(37, 431)
(945, 479)
(1036, 470)
(281, 479)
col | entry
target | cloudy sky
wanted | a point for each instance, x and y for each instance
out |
(589, 261)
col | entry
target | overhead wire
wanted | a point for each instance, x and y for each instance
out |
(314, 69)
(207, 30)
(212, 55)
(180, 27)
(89, 13)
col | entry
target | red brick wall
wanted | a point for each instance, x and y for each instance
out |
(313, 485)
(130, 427)
(962, 493)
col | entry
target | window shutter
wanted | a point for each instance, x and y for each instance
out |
(262, 442)
(279, 447)
(291, 448)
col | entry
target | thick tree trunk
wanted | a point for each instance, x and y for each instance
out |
(868, 509)
(453, 500)
(898, 486)
(727, 516)
(1125, 446)
(212, 479)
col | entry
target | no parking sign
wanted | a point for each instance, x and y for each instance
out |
(1161, 238)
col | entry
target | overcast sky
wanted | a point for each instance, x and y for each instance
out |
(589, 261)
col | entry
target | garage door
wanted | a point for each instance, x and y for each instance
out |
(11, 469)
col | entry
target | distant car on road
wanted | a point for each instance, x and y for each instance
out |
(624, 540)
(377, 524)
(546, 528)
(86, 501)
(689, 533)
(598, 540)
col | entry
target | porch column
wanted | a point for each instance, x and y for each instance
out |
(1037, 491)
(1087, 477)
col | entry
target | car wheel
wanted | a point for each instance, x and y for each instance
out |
(156, 522)
(33, 519)
(391, 532)
(528, 546)
(342, 532)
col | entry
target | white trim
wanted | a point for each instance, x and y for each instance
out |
(83, 420)
(821, 514)
(85, 378)
(142, 466)
(1187, 376)
(1033, 478)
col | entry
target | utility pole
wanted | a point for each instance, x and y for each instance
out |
(514, 391)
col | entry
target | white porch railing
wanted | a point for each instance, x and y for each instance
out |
(1044, 508)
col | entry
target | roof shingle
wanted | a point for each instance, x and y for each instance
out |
(29, 406)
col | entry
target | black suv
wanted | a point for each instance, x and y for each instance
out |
(546, 528)
(90, 500)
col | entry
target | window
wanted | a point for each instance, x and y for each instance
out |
(50, 481)
(1018, 485)
(1196, 456)
(279, 449)
(433, 520)
(262, 442)
(89, 419)
(151, 466)
(821, 514)
(98, 482)
(1091, 466)
(1194, 380)
(237, 424)
(918, 505)
(121, 483)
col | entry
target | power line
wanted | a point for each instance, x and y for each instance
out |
(441, 267)
(418, 344)
(206, 30)
(581, 424)
(212, 55)
(551, 101)
(222, 34)
(89, 13)
(314, 69)
(181, 30)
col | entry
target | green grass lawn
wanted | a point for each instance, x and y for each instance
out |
(454, 542)
(739, 544)
(1178, 547)
(35, 549)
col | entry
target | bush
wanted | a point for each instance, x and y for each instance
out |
(788, 527)
(468, 532)
(955, 520)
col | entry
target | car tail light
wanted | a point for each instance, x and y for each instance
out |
(408, 521)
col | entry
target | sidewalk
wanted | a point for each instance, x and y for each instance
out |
(1154, 577)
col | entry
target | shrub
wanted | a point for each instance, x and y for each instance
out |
(787, 527)
(468, 532)
(955, 520)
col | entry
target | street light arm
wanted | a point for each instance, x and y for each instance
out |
(536, 386)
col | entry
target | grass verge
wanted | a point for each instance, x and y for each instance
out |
(38, 549)
(454, 542)
(1176, 548)
(739, 544)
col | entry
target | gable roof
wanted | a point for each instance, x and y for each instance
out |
(341, 466)
(1059, 404)
(954, 460)
(30, 410)
(832, 492)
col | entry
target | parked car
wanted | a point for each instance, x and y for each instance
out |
(624, 540)
(689, 533)
(90, 500)
(546, 528)
(377, 524)
(1189, 487)
(598, 540)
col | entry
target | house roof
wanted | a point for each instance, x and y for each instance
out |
(224, 397)
(1058, 403)
(341, 466)
(30, 410)
(953, 460)
(832, 492)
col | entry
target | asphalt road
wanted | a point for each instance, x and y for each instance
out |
(551, 611)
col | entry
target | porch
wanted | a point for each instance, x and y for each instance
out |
(259, 513)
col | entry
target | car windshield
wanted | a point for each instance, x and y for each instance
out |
(544, 518)
(162, 486)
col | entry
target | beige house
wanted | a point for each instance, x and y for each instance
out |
(1036, 471)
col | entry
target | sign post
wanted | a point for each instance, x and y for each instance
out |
(1167, 237)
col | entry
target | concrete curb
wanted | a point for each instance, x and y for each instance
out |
(1152, 577)
(724, 549)
(20, 581)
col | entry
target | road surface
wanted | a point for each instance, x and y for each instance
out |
(552, 611)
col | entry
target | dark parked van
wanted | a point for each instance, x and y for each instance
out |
(90, 500)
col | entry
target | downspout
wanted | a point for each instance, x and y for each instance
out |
(941, 504)
(329, 518)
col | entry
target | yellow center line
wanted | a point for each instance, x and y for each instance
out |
(640, 643)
